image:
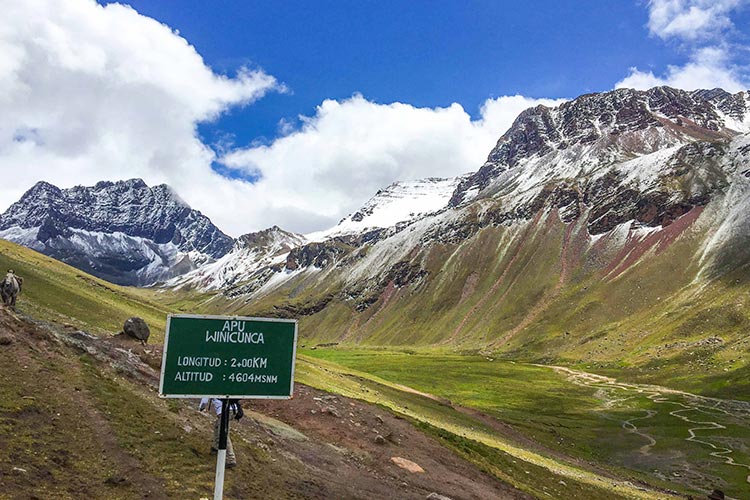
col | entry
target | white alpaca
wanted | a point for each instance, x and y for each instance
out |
(9, 288)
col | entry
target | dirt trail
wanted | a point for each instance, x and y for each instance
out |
(630, 427)
(687, 403)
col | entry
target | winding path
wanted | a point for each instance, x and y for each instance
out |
(690, 403)
(630, 427)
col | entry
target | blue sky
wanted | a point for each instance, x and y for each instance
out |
(294, 113)
(426, 53)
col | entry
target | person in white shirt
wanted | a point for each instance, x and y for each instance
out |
(237, 409)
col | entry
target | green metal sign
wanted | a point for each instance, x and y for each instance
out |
(228, 357)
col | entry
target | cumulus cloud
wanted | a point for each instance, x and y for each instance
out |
(691, 19)
(709, 67)
(703, 28)
(89, 92)
(349, 149)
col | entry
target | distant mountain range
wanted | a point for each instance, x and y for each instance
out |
(132, 234)
(605, 214)
(125, 232)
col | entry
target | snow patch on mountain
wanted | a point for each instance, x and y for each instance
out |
(398, 246)
(281, 277)
(251, 252)
(399, 202)
(730, 215)
(23, 236)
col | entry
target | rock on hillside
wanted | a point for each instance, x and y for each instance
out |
(125, 232)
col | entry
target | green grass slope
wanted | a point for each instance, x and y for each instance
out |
(57, 292)
(627, 430)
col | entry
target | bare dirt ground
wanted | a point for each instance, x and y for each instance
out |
(367, 461)
(57, 442)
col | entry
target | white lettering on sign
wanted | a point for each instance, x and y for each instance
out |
(235, 337)
(198, 361)
(234, 325)
(251, 377)
(193, 377)
(249, 363)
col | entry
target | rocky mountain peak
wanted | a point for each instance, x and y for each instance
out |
(113, 229)
(129, 207)
(41, 188)
(252, 252)
(599, 117)
(269, 237)
(604, 128)
(734, 106)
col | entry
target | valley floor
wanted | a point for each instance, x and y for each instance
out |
(80, 418)
(646, 433)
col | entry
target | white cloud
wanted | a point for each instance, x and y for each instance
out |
(90, 93)
(706, 31)
(691, 19)
(346, 152)
(708, 68)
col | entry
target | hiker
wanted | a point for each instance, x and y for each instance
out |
(10, 287)
(234, 407)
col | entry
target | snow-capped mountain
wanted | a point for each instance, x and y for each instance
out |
(400, 202)
(125, 231)
(601, 193)
(274, 249)
(621, 138)
(250, 253)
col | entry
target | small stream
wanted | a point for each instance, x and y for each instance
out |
(697, 411)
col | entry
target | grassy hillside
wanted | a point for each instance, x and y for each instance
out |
(54, 291)
(79, 418)
(644, 307)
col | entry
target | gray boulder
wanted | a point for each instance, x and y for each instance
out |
(136, 328)
(437, 496)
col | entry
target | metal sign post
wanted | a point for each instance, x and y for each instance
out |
(224, 357)
(221, 454)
